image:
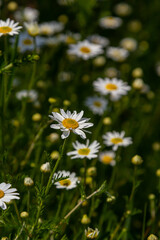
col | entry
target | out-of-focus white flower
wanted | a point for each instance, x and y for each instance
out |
(116, 139)
(27, 14)
(107, 158)
(32, 28)
(122, 9)
(115, 87)
(85, 49)
(32, 95)
(45, 167)
(129, 44)
(110, 22)
(117, 54)
(96, 104)
(84, 150)
(49, 28)
(68, 122)
(97, 39)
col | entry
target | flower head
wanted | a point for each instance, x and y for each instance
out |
(85, 150)
(107, 158)
(110, 22)
(70, 180)
(115, 87)
(117, 54)
(7, 194)
(116, 139)
(91, 233)
(96, 104)
(85, 49)
(68, 122)
(32, 28)
(9, 27)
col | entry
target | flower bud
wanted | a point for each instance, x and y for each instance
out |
(92, 171)
(136, 160)
(107, 121)
(91, 233)
(152, 237)
(54, 155)
(45, 167)
(85, 219)
(28, 182)
(158, 172)
(137, 72)
(36, 117)
(24, 214)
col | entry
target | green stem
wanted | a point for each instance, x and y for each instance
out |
(28, 201)
(144, 222)
(60, 204)
(54, 169)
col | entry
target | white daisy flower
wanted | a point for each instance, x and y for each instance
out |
(84, 150)
(115, 87)
(110, 22)
(123, 9)
(69, 37)
(129, 44)
(91, 233)
(49, 28)
(32, 28)
(96, 104)
(68, 122)
(27, 14)
(9, 27)
(97, 39)
(117, 54)
(7, 194)
(26, 42)
(116, 139)
(85, 49)
(32, 95)
(68, 183)
(107, 158)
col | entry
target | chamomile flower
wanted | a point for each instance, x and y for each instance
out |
(68, 122)
(85, 49)
(117, 54)
(84, 150)
(116, 139)
(7, 194)
(9, 27)
(97, 39)
(107, 158)
(31, 95)
(27, 14)
(49, 28)
(32, 28)
(91, 233)
(96, 104)
(68, 183)
(110, 22)
(115, 87)
(129, 44)
(26, 42)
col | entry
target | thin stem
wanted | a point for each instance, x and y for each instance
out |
(17, 212)
(28, 200)
(144, 222)
(55, 168)
(60, 204)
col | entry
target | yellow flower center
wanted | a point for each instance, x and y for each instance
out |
(70, 123)
(84, 151)
(97, 104)
(65, 182)
(27, 41)
(111, 87)
(116, 140)
(85, 49)
(5, 30)
(107, 159)
(1, 194)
